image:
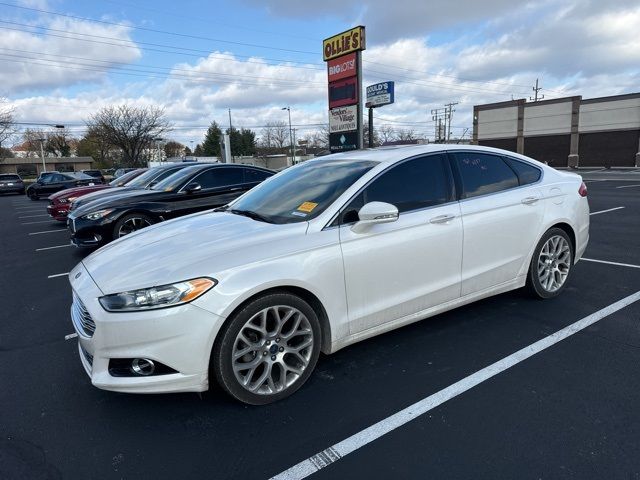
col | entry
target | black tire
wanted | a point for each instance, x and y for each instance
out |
(534, 285)
(32, 195)
(221, 357)
(130, 216)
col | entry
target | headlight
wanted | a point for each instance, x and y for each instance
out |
(157, 297)
(99, 214)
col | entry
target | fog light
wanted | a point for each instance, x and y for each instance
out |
(143, 366)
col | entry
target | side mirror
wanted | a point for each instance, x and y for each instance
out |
(193, 187)
(373, 213)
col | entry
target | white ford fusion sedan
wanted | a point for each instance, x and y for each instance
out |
(322, 255)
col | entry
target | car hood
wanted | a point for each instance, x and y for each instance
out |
(120, 197)
(203, 244)
(101, 195)
(77, 191)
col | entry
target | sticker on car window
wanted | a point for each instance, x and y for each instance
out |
(307, 207)
(299, 214)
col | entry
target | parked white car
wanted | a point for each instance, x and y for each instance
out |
(322, 255)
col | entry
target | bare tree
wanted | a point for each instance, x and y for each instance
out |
(320, 138)
(131, 129)
(275, 135)
(173, 149)
(386, 133)
(31, 138)
(7, 127)
(59, 143)
(405, 134)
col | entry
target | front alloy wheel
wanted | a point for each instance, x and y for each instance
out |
(268, 349)
(131, 223)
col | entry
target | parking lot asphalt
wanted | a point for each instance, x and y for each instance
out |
(570, 411)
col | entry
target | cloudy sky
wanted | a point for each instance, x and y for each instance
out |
(62, 59)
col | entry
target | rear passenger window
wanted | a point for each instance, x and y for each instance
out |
(252, 176)
(220, 177)
(526, 173)
(483, 173)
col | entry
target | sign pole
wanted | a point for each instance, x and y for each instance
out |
(371, 127)
(360, 103)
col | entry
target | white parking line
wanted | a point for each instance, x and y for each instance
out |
(33, 216)
(39, 221)
(345, 447)
(58, 275)
(610, 263)
(628, 186)
(30, 207)
(51, 248)
(48, 231)
(605, 211)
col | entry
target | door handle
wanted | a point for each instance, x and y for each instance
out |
(529, 200)
(442, 219)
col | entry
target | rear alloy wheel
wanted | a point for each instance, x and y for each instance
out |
(131, 223)
(32, 195)
(268, 350)
(551, 264)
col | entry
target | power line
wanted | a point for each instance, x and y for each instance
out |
(136, 45)
(153, 30)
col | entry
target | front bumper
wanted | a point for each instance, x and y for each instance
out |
(179, 337)
(58, 211)
(88, 233)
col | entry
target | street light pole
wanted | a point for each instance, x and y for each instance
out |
(293, 153)
(44, 166)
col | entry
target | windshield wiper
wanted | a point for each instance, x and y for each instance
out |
(223, 208)
(251, 214)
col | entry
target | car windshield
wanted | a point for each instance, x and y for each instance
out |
(78, 176)
(125, 179)
(175, 181)
(301, 193)
(145, 179)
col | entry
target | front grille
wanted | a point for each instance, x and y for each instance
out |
(88, 357)
(81, 317)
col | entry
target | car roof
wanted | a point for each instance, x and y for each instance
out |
(392, 154)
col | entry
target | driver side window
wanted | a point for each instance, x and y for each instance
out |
(411, 185)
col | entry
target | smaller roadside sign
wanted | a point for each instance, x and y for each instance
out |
(343, 119)
(380, 94)
(343, 141)
(343, 92)
(342, 67)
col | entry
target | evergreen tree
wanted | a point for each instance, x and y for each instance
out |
(211, 144)
(199, 151)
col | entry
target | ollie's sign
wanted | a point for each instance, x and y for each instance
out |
(343, 43)
(342, 67)
(343, 54)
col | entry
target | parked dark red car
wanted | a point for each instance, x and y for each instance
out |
(60, 202)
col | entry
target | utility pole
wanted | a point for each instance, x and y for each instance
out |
(230, 130)
(536, 89)
(449, 114)
(437, 115)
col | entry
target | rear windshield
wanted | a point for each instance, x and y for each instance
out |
(78, 176)
(9, 177)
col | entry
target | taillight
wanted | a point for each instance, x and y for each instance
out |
(582, 191)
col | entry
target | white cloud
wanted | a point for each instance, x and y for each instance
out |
(32, 61)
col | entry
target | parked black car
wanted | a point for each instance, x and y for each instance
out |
(54, 182)
(95, 174)
(11, 183)
(194, 188)
(145, 180)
